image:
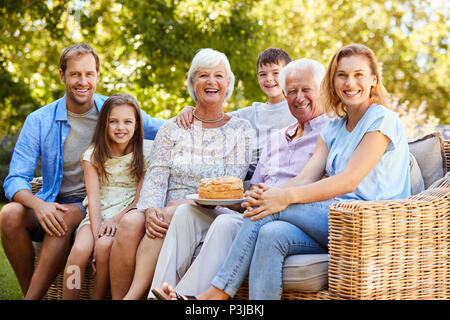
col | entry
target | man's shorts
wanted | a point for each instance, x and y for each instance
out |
(39, 234)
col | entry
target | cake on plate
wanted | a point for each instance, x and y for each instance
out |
(226, 187)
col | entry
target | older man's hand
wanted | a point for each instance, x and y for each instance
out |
(263, 200)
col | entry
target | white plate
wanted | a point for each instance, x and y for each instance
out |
(214, 202)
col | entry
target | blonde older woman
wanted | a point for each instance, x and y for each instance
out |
(216, 145)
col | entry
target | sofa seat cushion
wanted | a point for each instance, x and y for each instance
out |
(305, 272)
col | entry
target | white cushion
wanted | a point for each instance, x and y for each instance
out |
(417, 184)
(305, 272)
(429, 153)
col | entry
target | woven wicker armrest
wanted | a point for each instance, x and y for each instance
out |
(392, 249)
(36, 184)
(447, 153)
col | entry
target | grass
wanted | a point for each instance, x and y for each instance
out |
(9, 286)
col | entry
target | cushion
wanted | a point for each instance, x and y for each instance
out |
(417, 184)
(305, 272)
(429, 153)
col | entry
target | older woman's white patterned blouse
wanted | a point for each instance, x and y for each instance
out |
(180, 158)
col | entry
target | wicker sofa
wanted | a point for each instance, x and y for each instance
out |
(377, 249)
(388, 250)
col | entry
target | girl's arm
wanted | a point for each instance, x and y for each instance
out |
(156, 180)
(93, 193)
(109, 228)
(364, 158)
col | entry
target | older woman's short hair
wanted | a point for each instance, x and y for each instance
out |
(209, 58)
(301, 65)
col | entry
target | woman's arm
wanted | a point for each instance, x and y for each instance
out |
(156, 180)
(313, 170)
(364, 158)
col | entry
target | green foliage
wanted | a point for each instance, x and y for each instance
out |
(410, 38)
(157, 41)
(146, 47)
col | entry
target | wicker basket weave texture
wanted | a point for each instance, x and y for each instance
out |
(391, 249)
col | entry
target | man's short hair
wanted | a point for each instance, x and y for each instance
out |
(272, 55)
(77, 50)
(302, 65)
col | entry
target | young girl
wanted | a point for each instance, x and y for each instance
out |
(364, 153)
(114, 166)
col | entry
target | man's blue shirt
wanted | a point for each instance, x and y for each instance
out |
(43, 135)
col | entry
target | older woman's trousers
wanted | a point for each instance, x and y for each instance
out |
(196, 231)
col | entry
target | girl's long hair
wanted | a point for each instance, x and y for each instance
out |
(102, 145)
(328, 96)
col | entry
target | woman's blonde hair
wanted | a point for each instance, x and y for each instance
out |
(328, 96)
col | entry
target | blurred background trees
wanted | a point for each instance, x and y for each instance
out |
(146, 48)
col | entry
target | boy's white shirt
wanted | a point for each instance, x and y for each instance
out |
(265, 119)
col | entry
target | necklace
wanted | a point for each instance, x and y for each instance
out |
(208, 121)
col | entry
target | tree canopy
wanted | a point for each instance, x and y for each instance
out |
(146, 47)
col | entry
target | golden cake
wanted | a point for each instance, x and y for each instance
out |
(221, 188)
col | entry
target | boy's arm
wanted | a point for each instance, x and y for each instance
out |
(185, 117)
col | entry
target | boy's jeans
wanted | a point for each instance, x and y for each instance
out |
(261, 247)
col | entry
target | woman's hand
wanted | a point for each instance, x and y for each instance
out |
(185, 117)
(253, 194)
(263, 201)
(156, 223)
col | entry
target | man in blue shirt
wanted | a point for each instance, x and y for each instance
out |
(57, 133)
